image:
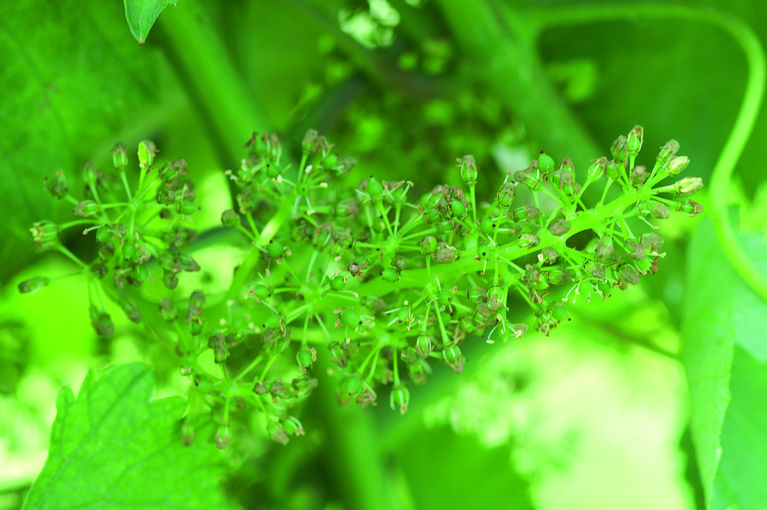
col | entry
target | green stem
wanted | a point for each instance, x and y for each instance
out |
(744, 123)
(501, 50)
(251, 259)
(195, 48)
(353, 448)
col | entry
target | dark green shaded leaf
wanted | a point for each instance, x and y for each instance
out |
(725, 357)
(113, 448)
(444, 470)
(70, 86)
(141, 15)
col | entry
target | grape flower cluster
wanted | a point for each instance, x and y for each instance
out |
(382, 284)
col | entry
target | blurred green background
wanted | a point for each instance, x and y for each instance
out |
(595, 417)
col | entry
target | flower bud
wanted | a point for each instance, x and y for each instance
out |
(691, 208)
(146, 153)
(278, 433)
(173, 170)
(399, 398)
(668, 151)
(597, 169)
(303, 385)
(33, 284)
(57, 185)
(559, 227)
(120, 157)
(605, 248)
(45, 234)
(654, 209)
(90, 176)
(293, 426)
(338, 354)
(526, 213)
(453, 357)
(102, 323)
(132, 311)
(223, 436)
(529, 240)
(688, 185)
(612, 170)
(309, 142)
(495, 297)
(506, 194)
(468, 169)
(651, 242)
(187, 433)
(86, 208)
(678, 165)
(634, 140)
(629, 274)
(639, 175)
(423, 345)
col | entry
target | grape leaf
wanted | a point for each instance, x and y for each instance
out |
(113, 448)
(725, 356)
(141, 15)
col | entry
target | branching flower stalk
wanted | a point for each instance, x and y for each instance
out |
(386, 283)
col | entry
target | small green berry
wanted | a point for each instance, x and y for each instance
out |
(337, 282)
(457, 208)
(230, 218)
(351, 318)
(351, 386)
(306, 356)
(275, 248)
(375, 188)
(545, 162)
(390, 274)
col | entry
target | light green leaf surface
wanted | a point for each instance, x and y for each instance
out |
(725, 356)
(141, 15)
(113, 448)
